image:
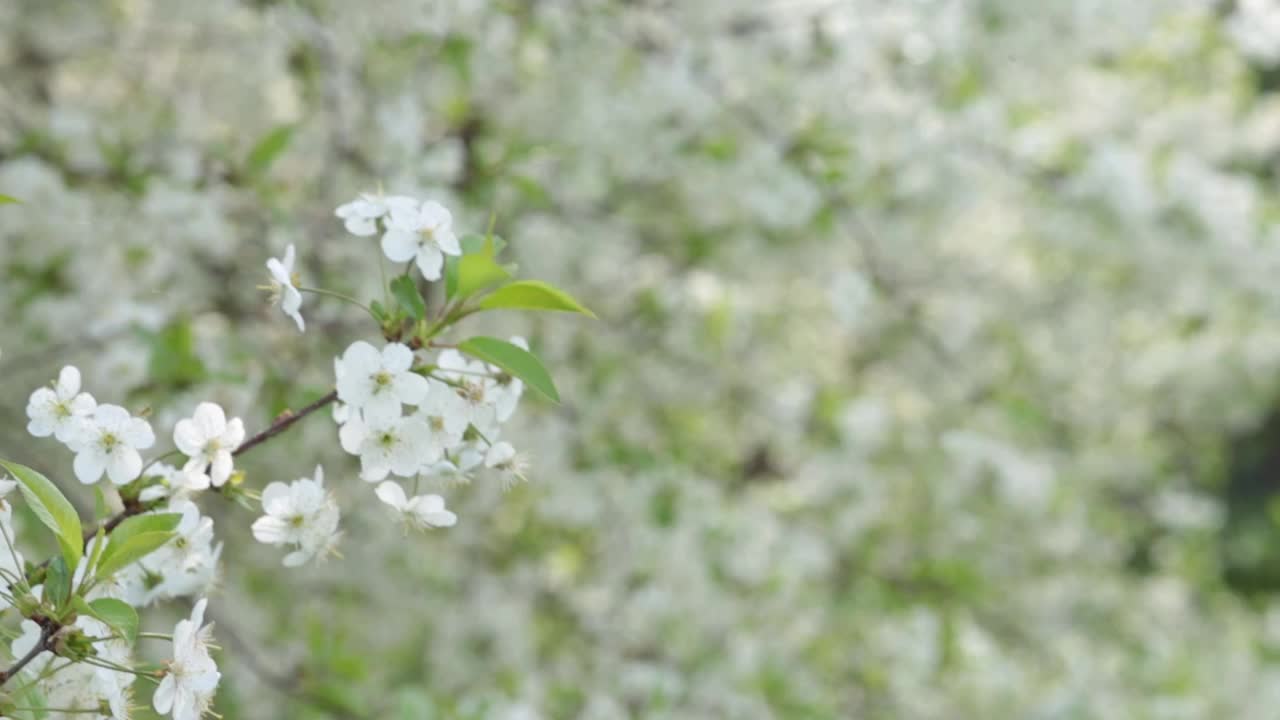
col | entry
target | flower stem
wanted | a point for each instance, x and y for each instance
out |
(157, 459)
(340, 296)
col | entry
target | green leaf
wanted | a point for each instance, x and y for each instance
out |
(98, 545)
(131, 551)
(57, 582)
(9, 200)
(174, 361)
(533, 295)
(406, 292)
(29, 696)
(513, 359)
(471, 245)
(48, 503)
(477, 272)
(99, 503)
(268, 149)
(478, 268)
(474, 243)
(378, 311)
(138, 524)
(119, 615)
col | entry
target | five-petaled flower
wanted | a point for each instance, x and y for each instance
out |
(208, 439)
(423, 234)
(378, 381)
(388, 442)
(110, 441)
(58, 410)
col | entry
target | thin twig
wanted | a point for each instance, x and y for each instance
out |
(39, 647)
(283, 422)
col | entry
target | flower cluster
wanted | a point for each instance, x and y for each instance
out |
(81, 685)
(301, 514)
(413, 231)
(407, 416)
(185, 566)
(416, 407)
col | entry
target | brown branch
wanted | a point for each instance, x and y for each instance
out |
(282, 423)
(133, 507)
(279, 425)
(41, 646)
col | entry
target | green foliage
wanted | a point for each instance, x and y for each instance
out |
(29, 696)
(477, 271)
(533, 295)
(134, 539)
(513, 359)
(132, 550)
(9, 200)
(174, 362)
(406, 293)
(267, 149)
(473, 244)
(119, 615)
(57, 582)
(53, 509)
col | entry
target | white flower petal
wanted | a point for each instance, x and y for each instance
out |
(68, 381)
(89, 466)
(399, 245)
(123, 465)
(392, 494)
(430, 261)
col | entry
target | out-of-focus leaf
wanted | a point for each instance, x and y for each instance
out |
(267, 149)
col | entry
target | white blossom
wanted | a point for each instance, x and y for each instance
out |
(58, 410)
(388, 442)
(80, 685)
(283, 287)
(423, 234)
(192, 676)
(208, 439)
(420, 511)
(446, 414)
(109, 441)
(474, 383)
(360, 216)
(380, 381)
(301, 514)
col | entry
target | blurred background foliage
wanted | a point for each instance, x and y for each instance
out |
(936, 373)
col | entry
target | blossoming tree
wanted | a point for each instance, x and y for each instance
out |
(421, 406)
